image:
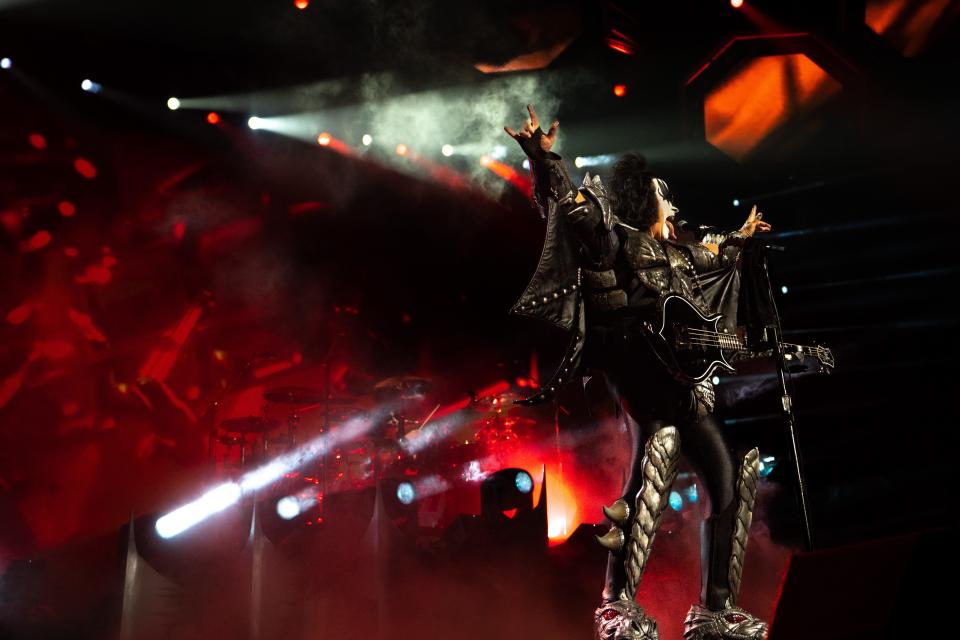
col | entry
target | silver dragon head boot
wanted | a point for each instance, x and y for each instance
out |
(630, 541)
(725, 545)
(624, 620)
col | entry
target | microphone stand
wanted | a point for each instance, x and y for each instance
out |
(787, 405)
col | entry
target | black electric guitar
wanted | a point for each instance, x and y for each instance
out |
(693, 346)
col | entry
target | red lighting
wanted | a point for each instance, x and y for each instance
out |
(324, 139)
(67, 209)
(20, 314)
(620, 90)
(301, 4)
(620, 46)
(37, 241)
(37, 141)
(402, 149)
(521, 182)
(736, 4)
(213, 118)
(85, 168)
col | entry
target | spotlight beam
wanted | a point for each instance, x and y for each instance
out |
(216, 500)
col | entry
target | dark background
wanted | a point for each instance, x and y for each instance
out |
(861, 191)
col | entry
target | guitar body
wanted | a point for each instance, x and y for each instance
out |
(686, 342)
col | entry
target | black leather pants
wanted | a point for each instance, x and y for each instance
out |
(653, 400)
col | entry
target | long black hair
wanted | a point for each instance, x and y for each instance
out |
(633, 192)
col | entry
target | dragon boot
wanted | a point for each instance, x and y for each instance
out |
(723, 546)
(635, 519)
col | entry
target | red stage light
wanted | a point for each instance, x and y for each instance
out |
(736, 4)
(37, 241)
(324, 139)
(37, 141)
(620, 46)
(620, 90)
(85, 168)
(402, 149)
(301, 4)
(67, 209)
(213, 118)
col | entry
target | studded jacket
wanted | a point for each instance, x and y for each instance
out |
(592, 264)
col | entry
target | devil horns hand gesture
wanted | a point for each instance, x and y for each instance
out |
(531, 137)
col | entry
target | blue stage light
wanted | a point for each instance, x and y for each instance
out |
(5, 63)
(767, 466)
(524, 482)
(676, 501)
(691, 494)
(90, 86)
(406, 493)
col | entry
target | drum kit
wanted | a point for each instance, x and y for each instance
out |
(492, 429)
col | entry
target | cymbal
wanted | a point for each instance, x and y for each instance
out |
(249, 424)
(294, 395)
(405, 386)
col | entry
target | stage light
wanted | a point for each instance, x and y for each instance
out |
(767, 465)
(402, 149)
(736, 4)
(67, 209)
(620, 90)
(715, 380)
(223, 496)
(406, 493)
(595, 161)
(213, 118)
(736, 202)
(486, 160)
(499, 152)
(784, 289)
(691, 494)
(367, 139)
(447, 150)
(254, 122)
(214, 501)
(526, 164)
(323, 139)
(676, 501)
(90, 86)
(5, 63)
(288, 508)
(524, 482)
(301, 4)
(173, 104)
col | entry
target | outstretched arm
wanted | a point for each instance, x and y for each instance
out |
(586, 210)
(551, 182)
(726, 251)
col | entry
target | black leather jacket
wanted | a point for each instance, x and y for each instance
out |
(594, 265)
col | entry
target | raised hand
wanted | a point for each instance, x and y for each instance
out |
(529, 133)
(754, 223)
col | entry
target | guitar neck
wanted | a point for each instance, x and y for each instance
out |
(732, 342)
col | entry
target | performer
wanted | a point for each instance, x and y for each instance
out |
(607, 259)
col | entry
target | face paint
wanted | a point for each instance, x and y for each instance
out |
(667, 210)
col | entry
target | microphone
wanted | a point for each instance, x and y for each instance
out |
(687, 227)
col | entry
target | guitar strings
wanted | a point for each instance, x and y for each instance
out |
(723, 339)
